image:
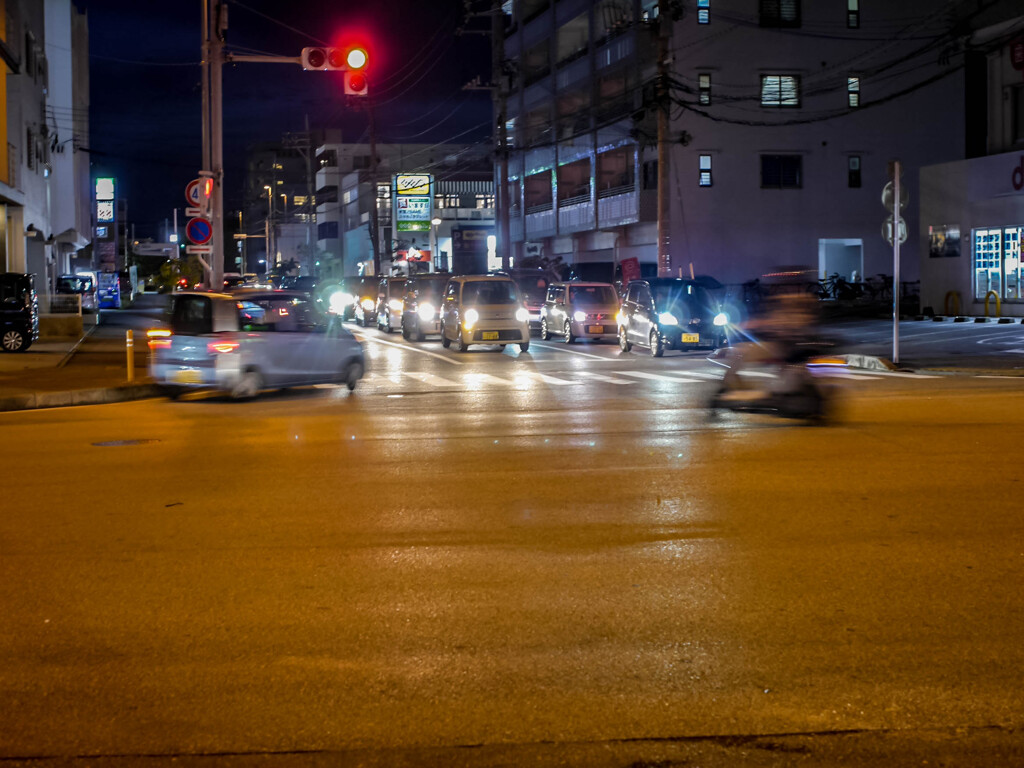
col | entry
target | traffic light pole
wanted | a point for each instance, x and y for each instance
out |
(664, 255)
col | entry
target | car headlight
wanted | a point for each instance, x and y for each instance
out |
(619, 318)
(339, 302)
(667, 318)
(522, 315)
(470, 318)
(426, 311)
(579, 316)
(395, 305)
(721, 319)
(367, 304)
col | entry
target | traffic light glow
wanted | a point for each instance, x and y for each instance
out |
(356, 58)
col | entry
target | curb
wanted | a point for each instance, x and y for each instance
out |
(869, 363)
(100, 396)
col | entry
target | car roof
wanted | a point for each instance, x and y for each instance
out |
(473, 278)
(666, 281)
(583, 283)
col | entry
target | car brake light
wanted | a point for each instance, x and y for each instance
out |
(158, 338)
(224, 347)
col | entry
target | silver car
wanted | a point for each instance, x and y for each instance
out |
(250, 341)
(580, 310)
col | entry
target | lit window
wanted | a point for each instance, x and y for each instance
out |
(704, 89)
(780, 91)
(853, 91)
(703, 11)
(705, 171)
(853, 14)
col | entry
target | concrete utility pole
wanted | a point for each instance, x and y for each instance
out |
(501, 201)
(661, 96)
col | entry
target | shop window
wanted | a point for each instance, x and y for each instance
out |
(853, 91)
(705, 171)
(853, 14)
(704, 89)
(780, 91)
(703, 11)
(853, 171)
(781, 172)
(997, 263)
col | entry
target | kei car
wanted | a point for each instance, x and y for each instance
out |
(670, 313)
(252, 340)
(483, 309)
(578, 310)
(19, 311)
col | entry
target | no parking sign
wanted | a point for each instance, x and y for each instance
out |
(199, 230)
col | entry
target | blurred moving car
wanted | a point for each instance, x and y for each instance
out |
(299, 283)
(578, 310)
(483, 309)
(19, 311)
(422, 304)
(79, 285)
(670, 313)
(390, 291)
(252, 340)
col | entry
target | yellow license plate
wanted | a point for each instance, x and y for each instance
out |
(595, 329)
(489, 335)
(187, 376)
(691, 338)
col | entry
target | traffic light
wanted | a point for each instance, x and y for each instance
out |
(355, 83)
(205, 193)
(323, 58)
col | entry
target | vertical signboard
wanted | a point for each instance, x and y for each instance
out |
(105, 232)
(412, 201)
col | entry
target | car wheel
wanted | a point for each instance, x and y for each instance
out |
(544, 334)
(405, 331)
(445, 341)
(248, 386)
(417, 334)
(657, 348)
(567, 336)
(524, 347)
(353, 373)
(624, 343)
(14, 340)
(387, 323)
(460, 343)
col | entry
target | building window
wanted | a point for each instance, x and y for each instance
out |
(780, 91)
(997, 263)
(781, 172)
(853, 14)
(705, 171)
(853, 91)
(853, 171)
(703, 11)
(327, 230)
(704, 89)
(779, 13)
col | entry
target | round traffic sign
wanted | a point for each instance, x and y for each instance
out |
(889, 192)
(192, 192)
(199, 230)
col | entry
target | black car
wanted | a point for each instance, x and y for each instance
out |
(671, 313)
(19, 311)
(421, 305)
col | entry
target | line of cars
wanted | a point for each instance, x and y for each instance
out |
(251, 339)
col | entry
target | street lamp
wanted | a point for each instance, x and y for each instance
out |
(434, 224)
(271, 259)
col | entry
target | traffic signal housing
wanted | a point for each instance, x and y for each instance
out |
(355, 83)
(206, 193)
(323, 59)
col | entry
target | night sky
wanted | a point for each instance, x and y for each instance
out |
(146, 99)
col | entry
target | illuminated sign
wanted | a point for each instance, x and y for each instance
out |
(412, 201)
(104, 210)
(105, 189)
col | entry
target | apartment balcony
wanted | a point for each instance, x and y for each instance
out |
(575, 214)
(540, 221)
(616, 49)
(618, 206)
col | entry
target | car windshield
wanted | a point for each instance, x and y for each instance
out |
(489, 292)
(430, 288)
(192, 316)
(533, 287)
(73, 284)
(13, 289)
(682, 299)
(281, 313)
(593, 295)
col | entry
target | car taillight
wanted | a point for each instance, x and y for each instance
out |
(224, 347)
(158, 338)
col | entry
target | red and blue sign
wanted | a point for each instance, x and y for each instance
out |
(199, 230)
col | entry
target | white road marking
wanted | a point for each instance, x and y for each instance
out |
(548, 379)
(605, 379)
(407, 348)
(656, 377)
(565, 348)
(432, 380)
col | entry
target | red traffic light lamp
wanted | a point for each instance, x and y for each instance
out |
(355, 83)
(356, 58)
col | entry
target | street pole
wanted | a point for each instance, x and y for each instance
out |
(311, 215)
(501, 202)
(374, 212)
(896, 263)
(661, 97)
(217, 146)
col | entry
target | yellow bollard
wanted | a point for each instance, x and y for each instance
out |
(129, 342)
(998, 303)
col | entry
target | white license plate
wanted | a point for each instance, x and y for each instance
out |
(691, 338)
(187, 376)
(489, 336)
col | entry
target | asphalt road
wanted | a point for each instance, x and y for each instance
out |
(553, 559)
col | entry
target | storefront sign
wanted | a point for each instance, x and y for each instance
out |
(412, 198)
(995, 176)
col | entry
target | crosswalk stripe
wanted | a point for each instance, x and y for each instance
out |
(656, 377)
(549, 379)
(605, 379)
(432, 380)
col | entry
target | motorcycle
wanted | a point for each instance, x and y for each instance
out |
(788, 380)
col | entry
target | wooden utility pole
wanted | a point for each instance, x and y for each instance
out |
(661, 97)
(501, 201)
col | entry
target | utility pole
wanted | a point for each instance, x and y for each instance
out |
(374, 221)
(214, 26)
(501, 201)
(661, 97)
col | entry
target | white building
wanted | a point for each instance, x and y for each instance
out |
(784, 118)
(972, 211)
(44, 171)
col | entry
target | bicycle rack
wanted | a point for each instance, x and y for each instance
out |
(998, 303)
